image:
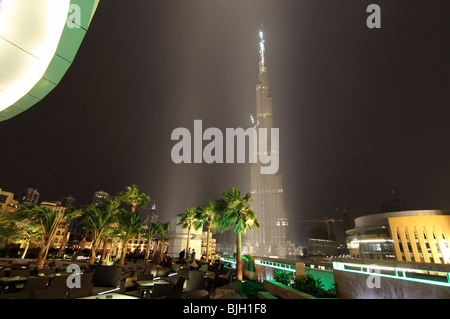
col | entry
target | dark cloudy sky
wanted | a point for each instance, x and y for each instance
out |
(357, 108)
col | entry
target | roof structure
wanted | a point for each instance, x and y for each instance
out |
(38, 43)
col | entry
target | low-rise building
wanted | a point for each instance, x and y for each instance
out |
(7, 202)
(416, 235)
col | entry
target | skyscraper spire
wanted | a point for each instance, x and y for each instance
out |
(262, 49)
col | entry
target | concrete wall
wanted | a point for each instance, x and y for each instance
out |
(354, 286)
(351, 285)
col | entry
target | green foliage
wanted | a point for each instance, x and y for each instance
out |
(307, 284)
(235, 212)
(285, 277)
(312, 286)
(251, 288)
(249, 262)
(187, 218)
(132, 196)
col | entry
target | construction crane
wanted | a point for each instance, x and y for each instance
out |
(327, 221)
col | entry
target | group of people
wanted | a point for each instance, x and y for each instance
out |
(187, 255)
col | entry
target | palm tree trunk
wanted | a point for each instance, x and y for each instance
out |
(92, 254)
(105, 248)
(123, 254)
(95, 244)
(42, 256)
(40, 261)
(63, 243)
(25, 250)
(238, 257)
(207, 242)
(149, 247)
(188, 242)
(147, 255)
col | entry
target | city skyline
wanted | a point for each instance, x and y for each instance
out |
(358, 109)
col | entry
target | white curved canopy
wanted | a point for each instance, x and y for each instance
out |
(37, 46)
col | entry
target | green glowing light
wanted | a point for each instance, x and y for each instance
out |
(396, 273)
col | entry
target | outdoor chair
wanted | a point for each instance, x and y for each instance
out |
(19, 266)
(148, 268)
(175, 267)
(17, 295)
(183, 272)
(106, 278)
(51, 293)
(58, 281)
(223, 279)
(180, 282)
(84, 291)
(196, 294)
(162, 272)
(196, 280)
(33, 284)
(87, 277)
(126, 280)
(144, 277)
(88, 270)
(47, 271)
(20, 272)
(160, 291)
(213, 268)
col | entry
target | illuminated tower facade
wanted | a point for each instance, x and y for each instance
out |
(266, 189)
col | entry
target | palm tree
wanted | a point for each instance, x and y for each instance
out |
(130, 225)
(206, 214)
(48, 222)
(98, 219)
(187, 221)
(151, 230)
(23, 232)
(236, 214)
(132, 196)
(162, 232)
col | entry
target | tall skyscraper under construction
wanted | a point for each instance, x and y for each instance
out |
(266, 189)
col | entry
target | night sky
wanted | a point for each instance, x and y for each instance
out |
(357, 108)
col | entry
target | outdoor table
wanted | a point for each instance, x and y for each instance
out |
(144, 285)
(210, 274)
(7, 281)
(113, 295)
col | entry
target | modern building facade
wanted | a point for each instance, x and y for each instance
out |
(29, 195)
(68, 201)
(266, 189)
(421, 238)
(413, 236)
(7, 202)
(100, 197)
(62, 232)
(320, 242)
